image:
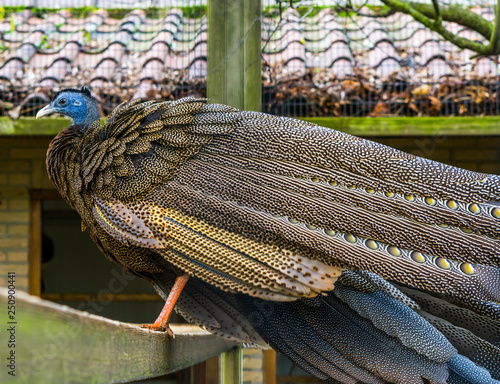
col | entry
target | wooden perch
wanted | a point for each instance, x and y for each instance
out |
(58, 344)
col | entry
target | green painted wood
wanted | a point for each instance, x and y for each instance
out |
(411, 126)
(29, 126)
(360, 126)
(231, 366)
(216, 64)
(234, 64)
(234, 52)
(57, 344)
(253, 63)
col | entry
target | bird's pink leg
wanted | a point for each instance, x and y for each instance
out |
(161, 323)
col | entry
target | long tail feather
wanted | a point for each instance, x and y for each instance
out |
(463, 371)
(338, 343)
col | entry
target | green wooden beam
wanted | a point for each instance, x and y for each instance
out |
(411, 126)
(253, 63)
(53, 343)
(234, 44)
(30, 126)
(360, 126)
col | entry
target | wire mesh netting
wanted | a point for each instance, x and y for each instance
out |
(329, 58)
(367, 61)
(121, 53)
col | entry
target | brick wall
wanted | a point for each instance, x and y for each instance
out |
(22, 167)
(252, 366)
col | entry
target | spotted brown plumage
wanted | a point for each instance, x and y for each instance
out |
(331, 248)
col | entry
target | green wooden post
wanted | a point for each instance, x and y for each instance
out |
(234, 78)
(230, 365)
(234, 44)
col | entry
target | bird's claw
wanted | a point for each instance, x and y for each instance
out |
(160, 328)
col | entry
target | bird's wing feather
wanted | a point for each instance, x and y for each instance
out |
(483, 327)
(423, 223)
(142, 143)
(478, 290)
(356, 307)
(225, 259)
(299, 329)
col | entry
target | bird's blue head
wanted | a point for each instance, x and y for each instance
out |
(77, 104)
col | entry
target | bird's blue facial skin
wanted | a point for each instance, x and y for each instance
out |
(78, 105)
(72, 105)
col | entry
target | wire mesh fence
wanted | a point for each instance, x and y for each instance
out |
(121, 53)
(339, 61)
(328, 58)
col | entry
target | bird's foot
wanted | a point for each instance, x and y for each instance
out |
(161, 323)
(159, 328)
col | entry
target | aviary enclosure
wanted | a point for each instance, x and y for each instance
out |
(372, 69)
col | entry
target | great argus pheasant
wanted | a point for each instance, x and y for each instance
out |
(360, 263)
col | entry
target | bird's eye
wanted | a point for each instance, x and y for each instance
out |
(63, 101)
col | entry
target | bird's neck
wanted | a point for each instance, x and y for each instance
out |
(87, 119)
(62, 156)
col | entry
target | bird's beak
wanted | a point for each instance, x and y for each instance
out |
(47, 110)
